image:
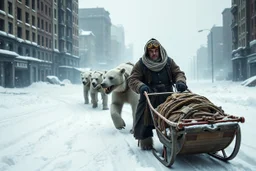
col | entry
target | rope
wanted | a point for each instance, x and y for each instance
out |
(181, 106)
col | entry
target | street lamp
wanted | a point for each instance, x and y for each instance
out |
(211, 50)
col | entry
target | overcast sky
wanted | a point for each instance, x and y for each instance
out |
(173, 22)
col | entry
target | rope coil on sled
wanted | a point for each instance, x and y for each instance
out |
(184, 107)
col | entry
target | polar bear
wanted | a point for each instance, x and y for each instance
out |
(115, 82)
(86, 80)
(95, 88)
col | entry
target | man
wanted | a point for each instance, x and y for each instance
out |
(154, 72)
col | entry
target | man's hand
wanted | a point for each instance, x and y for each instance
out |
(144, 88)
(181, 86)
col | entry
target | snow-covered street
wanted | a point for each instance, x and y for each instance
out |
(48, 127)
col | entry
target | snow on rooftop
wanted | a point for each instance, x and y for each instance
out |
(85, 33)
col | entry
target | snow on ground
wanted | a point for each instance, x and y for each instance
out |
(47, 127)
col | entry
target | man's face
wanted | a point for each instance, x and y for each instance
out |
(153, 54)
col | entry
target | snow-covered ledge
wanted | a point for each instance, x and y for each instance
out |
(7, 52)
(253, 42)
(2, 12)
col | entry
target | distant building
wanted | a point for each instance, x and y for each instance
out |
(227, 42)
(87, 49)
(217, 50)
(240, 38)
(98, 21)
(117, 43)
(203, 71)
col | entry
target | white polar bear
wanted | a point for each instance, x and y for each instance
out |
(115, 82)
(86, 80)
(95, 88)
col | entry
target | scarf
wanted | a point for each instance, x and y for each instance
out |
(155, 65)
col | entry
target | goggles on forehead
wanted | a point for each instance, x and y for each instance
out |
(153, 45)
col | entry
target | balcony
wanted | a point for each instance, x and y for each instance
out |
(234, 8)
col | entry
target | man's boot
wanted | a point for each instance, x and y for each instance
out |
(146, 144)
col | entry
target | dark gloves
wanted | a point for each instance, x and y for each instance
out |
(181, 86)
(144, 88)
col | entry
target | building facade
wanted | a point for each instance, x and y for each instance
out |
(217, 46)
(240, 38)
(203, 71)
(117, 44)
(227, 42)
(30, 29)
(98, 21)
(87, 51)
(251, 61)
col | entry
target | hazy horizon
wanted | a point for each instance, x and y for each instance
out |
(174, 23)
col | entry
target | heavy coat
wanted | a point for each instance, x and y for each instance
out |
(161, 81)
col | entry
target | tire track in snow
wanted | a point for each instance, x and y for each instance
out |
(8, 121)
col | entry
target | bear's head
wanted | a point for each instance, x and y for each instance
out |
(96, 79)
(86, 77)
(114, 80)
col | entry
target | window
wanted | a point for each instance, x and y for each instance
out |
(42, 24)
(10, 8)
(1, 44)
(46, 42)
(55, 28)
(55, 45)
(42, 41)
(38, 39)
(1, 24)
(19, 31)
(27, 34)
(50, 43)
(38, 54)
(45, 8)
(38, 4)
(34, 37)
(42, 6)
(27, 2)
(20, 50)
(33, 4)
(34, 53)
(19, 14)
(50, 28)
(27, 52)
(10, 28)
(46, 26)
(10, 46)
(27, 17)
(55, 13)
(2, 5)
(38, 22)
(33, 20)
(50, 12)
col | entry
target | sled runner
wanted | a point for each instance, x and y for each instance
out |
(188, 123)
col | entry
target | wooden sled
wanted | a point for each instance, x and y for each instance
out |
(194, 136)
